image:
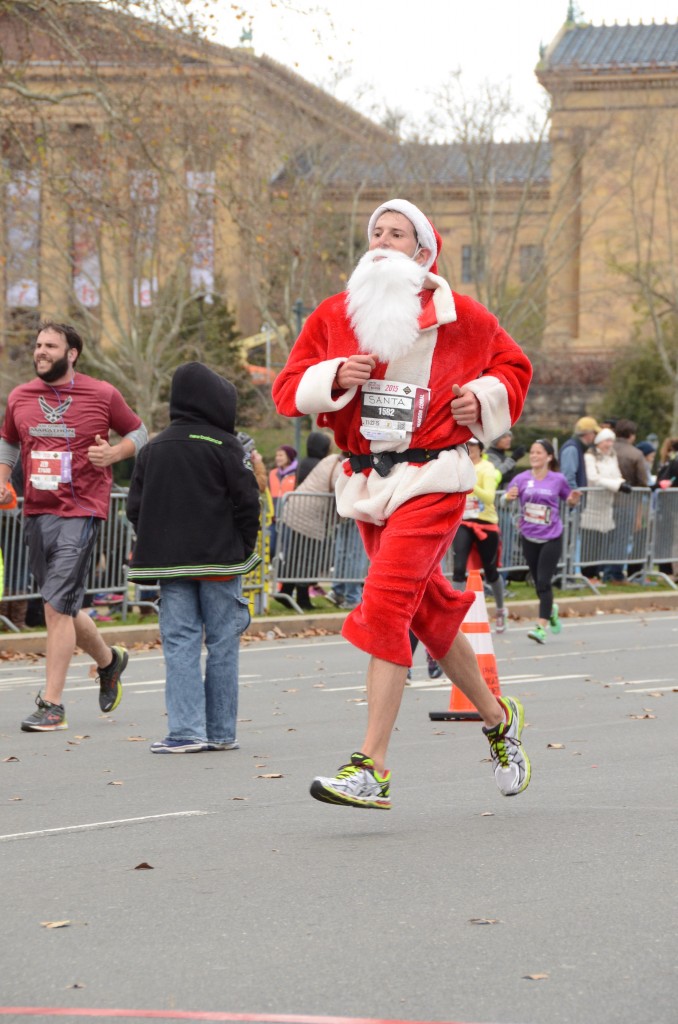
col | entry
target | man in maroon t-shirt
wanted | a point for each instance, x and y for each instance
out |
(59, 424)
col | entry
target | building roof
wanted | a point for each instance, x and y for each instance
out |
(407, 164)
(603, 48)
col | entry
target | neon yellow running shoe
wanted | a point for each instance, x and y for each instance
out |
(356, 784)
(512, 769)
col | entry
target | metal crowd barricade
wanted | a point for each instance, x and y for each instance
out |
(108, 572)
(309, 548)
(663, 541)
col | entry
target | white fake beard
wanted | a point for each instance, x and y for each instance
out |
(383, 303)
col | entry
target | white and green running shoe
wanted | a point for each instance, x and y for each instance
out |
(356, 784)
(554, 621)
(537, 633)
(511, 764)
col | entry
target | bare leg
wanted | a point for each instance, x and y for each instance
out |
(63, 632)
(90, 639)
(385, 685)
(461, 666)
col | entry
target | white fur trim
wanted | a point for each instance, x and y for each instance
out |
(373, 498)
(314, 394)
(443, 299)
(495, 418)
(422, 226)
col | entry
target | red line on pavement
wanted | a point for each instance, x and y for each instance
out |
(265, 1018)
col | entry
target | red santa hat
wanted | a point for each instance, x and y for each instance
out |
(427, 236)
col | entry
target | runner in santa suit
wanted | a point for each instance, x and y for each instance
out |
(404, 371)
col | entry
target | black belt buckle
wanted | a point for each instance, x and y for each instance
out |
(383, 463)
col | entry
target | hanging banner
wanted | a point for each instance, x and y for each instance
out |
(144, 193)
(201, 186)
(86, 229)
(22, 234)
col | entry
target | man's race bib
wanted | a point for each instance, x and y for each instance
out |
(539, 515)
(49, 469)
(391, 410)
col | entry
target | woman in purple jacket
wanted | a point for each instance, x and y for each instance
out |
(540, 490)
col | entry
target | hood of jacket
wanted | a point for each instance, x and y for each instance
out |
(198, 395)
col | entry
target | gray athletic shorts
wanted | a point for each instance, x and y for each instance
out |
(59, 554)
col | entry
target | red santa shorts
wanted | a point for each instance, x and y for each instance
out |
(405, 587)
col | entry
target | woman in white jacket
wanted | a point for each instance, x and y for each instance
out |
(597, 518)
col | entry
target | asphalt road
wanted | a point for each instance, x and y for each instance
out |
(256, 900)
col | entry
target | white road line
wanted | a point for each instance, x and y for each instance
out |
(102, 824)
(651, 689)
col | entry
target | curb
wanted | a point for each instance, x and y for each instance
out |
(270, 628)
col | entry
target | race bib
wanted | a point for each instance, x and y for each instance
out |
(49, 469)
(539, 515)
(474, 506)
(391, 409)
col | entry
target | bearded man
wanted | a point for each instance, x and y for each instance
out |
(58, 424)
(405, 371)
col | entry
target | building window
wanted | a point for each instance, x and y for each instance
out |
(531, 260)
(472, 264)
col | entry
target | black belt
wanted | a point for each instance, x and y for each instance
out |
(384, 462)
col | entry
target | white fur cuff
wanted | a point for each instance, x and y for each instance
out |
(314, 394)
(495, 418)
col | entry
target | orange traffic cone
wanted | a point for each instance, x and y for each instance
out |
(476, 626)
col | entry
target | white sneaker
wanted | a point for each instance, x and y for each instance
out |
(512, 768)
(500, 621)
(355, 785)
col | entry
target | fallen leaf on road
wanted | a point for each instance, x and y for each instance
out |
(76, 984)
(54, 924)
(85, 737)
(646, 715)
(10, 758)
(291, 691)
(144, 866)
(13, 798)
(535, 977)
(484, 920)
(555, 746)
(318, 686)
(239, 798)
(137, 739)
(115, 783)
(270, 775)
(487, 814)
(655, 693)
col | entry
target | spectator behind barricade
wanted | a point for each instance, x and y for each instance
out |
(540, 490)
(15, 572)
(258, 467)
(479, 531)
(281, 480)
(649, 452)
(305, 530)
(631, 461)
(571, 455)
(503, 460)
(7, 506)
(604, 478)
(348, 560)
(666, 537)
(627, 512)
(317, 447)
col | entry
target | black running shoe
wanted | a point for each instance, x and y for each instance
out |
(48, 718)
(110, 685)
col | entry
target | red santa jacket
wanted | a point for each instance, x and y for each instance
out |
(460, 342)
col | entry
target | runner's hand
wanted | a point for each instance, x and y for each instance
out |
(465, 406)
(355, 371)
(101, 454)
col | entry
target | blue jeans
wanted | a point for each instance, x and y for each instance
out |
(203, 709)
(349, 560)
